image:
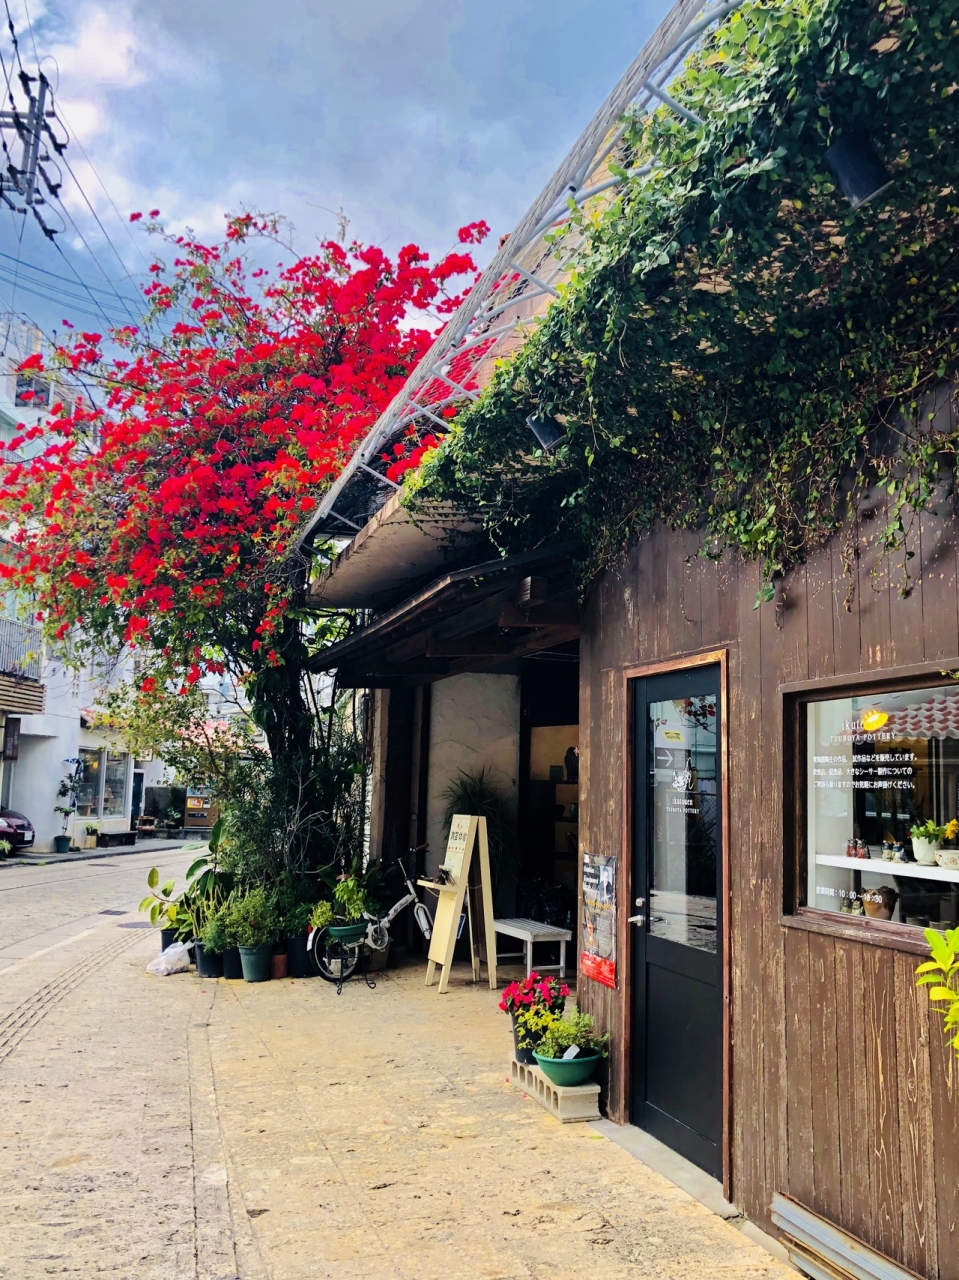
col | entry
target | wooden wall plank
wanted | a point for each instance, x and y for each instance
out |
(824, 1079)
(875, 627)
(847, 650)
(855, 1187)
(940, 613)
(906, 600)
(799, 1096)
(747, 956)
(920, 1241)
(773, 660)
(819, 615)
(880, 1092)
(944, 1079)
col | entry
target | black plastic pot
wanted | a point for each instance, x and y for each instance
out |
(522, 1055)
(232, 965)
(297, 965)
(61, 844)
(167, 938)
(209, 964)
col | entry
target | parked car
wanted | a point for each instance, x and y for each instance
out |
(17, 828)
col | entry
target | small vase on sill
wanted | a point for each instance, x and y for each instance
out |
(925, 851)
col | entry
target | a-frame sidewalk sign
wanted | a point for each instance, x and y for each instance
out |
(468, 887)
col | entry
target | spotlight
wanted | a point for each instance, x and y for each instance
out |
(857, 168)
(546, 430)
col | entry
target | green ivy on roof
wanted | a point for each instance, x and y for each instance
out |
(738, 350)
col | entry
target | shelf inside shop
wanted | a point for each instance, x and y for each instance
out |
(877, 867)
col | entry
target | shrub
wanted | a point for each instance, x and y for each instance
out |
(252, 919)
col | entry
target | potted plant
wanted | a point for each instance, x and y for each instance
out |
(212, 943)
(349, 903)
(91, 831)
(165, 909)
(67, 791)
(297, 921)
(927, 838)
(526, 1002)
(252, 921)
(570, 1050)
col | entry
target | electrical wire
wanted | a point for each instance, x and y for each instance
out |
(29, 266)
(120, 218)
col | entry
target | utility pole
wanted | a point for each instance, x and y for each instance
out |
(19, 186)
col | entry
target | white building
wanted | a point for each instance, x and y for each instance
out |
(45, 709)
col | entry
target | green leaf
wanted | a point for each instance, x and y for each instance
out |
(153, 879)
(167, 889)
(943, 993)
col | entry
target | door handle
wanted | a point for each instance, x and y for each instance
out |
(636, 920)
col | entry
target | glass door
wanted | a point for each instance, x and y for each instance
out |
(676, 930)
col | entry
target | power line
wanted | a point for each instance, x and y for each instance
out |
(120, 218)
(29, 266)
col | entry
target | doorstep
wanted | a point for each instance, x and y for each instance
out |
(693, 1180)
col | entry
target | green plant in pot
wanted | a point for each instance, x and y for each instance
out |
(296, 926)
(67, 791)
(569, 1049)
(349, 903)
(252, 920)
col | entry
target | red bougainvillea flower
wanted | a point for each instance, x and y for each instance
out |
(162, 512)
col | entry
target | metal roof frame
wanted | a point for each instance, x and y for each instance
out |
(523, 275)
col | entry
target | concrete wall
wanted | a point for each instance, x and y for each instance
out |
(474, 721)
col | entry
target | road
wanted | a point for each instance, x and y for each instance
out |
(43, 906)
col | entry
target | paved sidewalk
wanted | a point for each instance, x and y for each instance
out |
(38, 858)
(164, 1128)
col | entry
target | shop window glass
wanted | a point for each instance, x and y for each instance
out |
(114, 784)
(88, 793)
(878, 765)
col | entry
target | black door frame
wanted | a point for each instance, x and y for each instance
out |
(711, 657)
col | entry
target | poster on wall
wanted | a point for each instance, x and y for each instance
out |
(598, 958)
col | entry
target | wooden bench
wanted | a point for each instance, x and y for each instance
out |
(530, 931)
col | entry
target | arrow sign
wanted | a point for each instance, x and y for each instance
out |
(664, 759)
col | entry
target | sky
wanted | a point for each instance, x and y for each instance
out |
(412, 117)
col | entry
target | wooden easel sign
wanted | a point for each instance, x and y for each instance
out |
(469, 887)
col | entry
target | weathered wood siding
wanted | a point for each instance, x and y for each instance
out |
(842, 1092)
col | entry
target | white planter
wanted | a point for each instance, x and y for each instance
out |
(925, 851)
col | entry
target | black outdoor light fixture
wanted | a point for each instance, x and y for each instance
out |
(546, 430)
(857, 168)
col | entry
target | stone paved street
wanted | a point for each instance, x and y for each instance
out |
(167, 1128)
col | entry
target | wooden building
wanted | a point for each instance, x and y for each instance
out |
(720, 797)
(730, 760)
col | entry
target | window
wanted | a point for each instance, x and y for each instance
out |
(878, 765)
(32, 392)
(114, 784)
(88, 793)
(103, 783)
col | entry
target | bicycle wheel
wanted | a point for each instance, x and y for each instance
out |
(378, 937)
(335, 960)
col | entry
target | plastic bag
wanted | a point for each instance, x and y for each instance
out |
(175, 959)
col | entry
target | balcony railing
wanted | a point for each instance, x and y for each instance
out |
(21, 649)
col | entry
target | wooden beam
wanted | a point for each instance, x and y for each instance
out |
(560, 613)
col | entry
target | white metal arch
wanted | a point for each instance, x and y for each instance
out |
(521, 279)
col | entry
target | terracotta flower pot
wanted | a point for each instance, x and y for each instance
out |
(279, 965)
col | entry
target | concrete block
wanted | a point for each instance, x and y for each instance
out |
(568, 1105)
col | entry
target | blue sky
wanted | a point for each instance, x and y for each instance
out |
(412, 116)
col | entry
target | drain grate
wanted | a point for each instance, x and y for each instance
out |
(134, 924)
(112, 911)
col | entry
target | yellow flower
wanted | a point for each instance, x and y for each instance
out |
(952, 829)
